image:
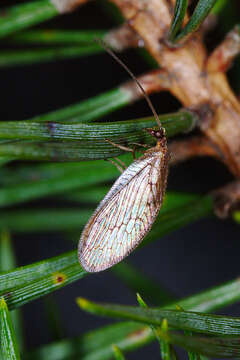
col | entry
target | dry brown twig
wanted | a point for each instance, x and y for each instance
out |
(190, 73)
(122, 38)
(65, 6)
(182, 150)
(153, 81)
(196, 79)
(227, 199)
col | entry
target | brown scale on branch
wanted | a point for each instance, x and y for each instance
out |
(221, 58)
(65, 6)
(195, 79)
(182, 150)
(153, 81)
(227, 199)
(122, 38)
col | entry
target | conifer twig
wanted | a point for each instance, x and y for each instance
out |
(64, 6)
(191, 81)
(153, 81)
(222, 57)
(122, 38)
(227, 199)
(182, 150)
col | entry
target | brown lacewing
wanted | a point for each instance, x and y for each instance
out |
(128, 211)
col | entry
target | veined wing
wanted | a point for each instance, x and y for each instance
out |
(125, 215)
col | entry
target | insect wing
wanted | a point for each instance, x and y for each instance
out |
(126, 214)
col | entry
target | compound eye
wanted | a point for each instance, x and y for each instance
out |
(159, 134)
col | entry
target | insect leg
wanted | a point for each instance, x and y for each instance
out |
(141, 145)
(124, 166)
(125, 148)
(140, 150)
(116, 164)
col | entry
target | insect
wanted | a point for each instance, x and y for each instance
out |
(128, 211)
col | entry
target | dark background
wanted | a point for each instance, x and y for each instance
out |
(199, 256)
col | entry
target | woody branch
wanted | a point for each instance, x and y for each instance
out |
(192, 79)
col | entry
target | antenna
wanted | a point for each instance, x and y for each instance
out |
(120, 62)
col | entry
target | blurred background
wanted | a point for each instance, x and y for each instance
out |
(194, 258)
